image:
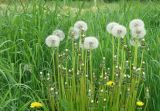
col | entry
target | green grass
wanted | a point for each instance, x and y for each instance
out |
(23, 53)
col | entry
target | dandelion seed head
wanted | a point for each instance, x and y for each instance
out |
(119, 31)
(59, 33)
(136, 23)
(138, 32)
(52, 41)
(74, 33)
(90, 43)
(81, 26)
(110, 26)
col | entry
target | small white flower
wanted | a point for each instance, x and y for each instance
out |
(101, 90)
(81, 26)
(110, 26)
(74, 33)
(136, 23)
(59, 33)
(52, 41)
(51, 88)
(119, 31)
(90, 43)
(56, 92)
(92, 101)
(138, 32)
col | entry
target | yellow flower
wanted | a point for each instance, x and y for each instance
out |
(110, 83)
(36, 105)
(139, 103)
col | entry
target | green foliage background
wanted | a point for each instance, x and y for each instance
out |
(23, 29)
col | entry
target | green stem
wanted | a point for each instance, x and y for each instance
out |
(113, 58)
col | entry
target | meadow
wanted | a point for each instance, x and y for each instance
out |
(69, 77)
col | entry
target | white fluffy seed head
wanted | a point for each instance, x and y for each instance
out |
(81, 26)
(110, 26)
(59, 33)
(136, 23)
(90, 43)
(52, 41)
(138, 32)
(74, 33)
(119, 31)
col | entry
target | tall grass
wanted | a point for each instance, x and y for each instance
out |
(23, 55)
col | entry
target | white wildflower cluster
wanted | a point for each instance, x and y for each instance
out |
(116, 30)
(138, 31)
